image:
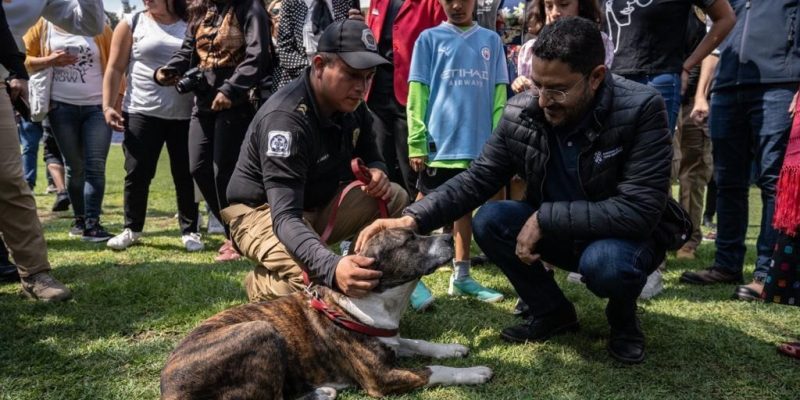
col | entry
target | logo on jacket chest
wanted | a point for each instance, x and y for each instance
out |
(601, 156)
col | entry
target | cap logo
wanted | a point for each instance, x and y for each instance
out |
(369, 40)
(486, 53)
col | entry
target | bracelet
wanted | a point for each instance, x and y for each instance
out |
(688, 71)
(106, 108)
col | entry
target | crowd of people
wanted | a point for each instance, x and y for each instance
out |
(566, 138)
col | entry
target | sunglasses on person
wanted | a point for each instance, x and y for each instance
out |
(274, 11)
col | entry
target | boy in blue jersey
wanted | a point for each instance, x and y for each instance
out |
(457, 91)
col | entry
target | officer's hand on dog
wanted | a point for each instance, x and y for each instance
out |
(379, 186)
(353, 279)
(527, 239)
(378, 225)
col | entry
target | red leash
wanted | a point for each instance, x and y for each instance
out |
(363, 178)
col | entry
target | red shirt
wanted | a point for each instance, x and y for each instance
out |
(413, 17)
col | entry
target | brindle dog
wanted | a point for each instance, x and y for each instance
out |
(286, 349)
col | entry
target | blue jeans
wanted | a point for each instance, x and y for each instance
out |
(30, 134)
(84, 139)
(612, 268)
(669, 85)
(747, 124)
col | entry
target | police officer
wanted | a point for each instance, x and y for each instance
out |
(294, 164)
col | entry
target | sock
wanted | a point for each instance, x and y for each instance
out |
(461, 269)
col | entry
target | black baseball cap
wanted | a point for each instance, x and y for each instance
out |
(354, 42)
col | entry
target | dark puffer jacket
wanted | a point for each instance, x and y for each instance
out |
(624, 168)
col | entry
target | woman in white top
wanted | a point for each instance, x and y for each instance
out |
(76, 116)
(151, 116)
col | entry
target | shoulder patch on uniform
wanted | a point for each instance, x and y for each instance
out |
(279, 143)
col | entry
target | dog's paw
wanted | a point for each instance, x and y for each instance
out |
(458, 376)
(324, 393)
(477, 375)
(454, 350)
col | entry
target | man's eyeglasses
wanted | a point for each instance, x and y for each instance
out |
(556, 96)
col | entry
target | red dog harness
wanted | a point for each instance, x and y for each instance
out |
(363, 178)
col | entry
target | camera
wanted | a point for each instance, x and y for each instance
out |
(192, 80)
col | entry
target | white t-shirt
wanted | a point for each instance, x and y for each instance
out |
(81, 83)
(153, 45)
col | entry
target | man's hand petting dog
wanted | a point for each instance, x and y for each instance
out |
(527, 239)
(353, 278)
(381, 224)
(379, 186)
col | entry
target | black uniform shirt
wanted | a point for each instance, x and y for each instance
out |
(294, 160)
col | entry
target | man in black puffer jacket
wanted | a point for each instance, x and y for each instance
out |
(595, 152)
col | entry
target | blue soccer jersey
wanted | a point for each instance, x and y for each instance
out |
(461, 68)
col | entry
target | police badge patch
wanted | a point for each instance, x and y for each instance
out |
(279, 143)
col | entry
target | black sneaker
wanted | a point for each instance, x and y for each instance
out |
(626, 341)
(541, 328)
(62, 202)
(95, 232)
(77, 227)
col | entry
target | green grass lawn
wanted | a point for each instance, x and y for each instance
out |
(131, 308)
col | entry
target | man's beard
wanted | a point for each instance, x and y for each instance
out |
(575, 113)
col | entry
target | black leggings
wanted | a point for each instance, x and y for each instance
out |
(144, 138)
(214, 141)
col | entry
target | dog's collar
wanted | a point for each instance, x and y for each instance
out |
(316, 302)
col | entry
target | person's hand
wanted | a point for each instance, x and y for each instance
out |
(113, 119)
(684, 81)
(379, 186)
(417, 163)
(793, 104)
(521, 84)
(353, 279)
(380, 224)
(61, 58)
(700, 110)
(167, 76)
(355, 14)
(527, 239)
(18, 88)
(221, 102)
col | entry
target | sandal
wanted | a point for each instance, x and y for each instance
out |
(791, 349)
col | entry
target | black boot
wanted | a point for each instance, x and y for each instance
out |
(541, 328)
(626, 341)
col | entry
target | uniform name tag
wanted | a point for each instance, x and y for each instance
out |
(279, 143)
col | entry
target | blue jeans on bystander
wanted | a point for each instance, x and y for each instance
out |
(747, 124)
(84, 139)
(30, 134)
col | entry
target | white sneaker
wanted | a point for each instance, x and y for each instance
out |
(192, 242)
(124, 239)
(575, 277)
(653, 287)
(214, 226)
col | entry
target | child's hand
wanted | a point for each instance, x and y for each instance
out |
(520, 84)
(417, 163)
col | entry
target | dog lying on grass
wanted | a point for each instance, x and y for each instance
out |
(308, 345)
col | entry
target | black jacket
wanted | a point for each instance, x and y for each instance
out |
(763, 47)
(10, 56)
(256, 68)
(624, 168)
